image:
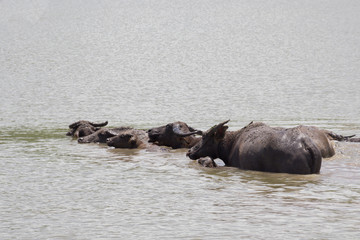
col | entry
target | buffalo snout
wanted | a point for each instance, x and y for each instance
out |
(190, 154)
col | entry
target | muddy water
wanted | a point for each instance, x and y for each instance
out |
(147, 63)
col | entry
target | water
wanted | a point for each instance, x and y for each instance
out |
(148, 63)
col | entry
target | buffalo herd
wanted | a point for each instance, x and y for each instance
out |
(257, 146)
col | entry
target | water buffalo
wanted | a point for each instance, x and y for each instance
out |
(133, 138)
(174, 135)
(260, 147)
(83, 128)
(101, 135)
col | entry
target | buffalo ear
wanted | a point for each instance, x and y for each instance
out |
(196, 131)
(110, 133)
(75, 124)
(214, 129)
(220, 133)
(103, 124)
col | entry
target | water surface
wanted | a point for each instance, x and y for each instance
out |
(148, 63)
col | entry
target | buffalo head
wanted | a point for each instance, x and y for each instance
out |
(101, 135)
(125, 140)
(175, 135)
(208, 145)
(84, 128)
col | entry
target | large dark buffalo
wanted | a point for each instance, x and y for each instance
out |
(174, 135)
(84, 128)
(101, 135)
(262, 148)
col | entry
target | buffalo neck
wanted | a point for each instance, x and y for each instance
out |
(193, 141)
(226, 144)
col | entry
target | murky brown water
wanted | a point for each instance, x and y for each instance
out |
(148, 63)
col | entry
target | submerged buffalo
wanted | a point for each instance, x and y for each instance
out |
(263, 148)
(174, 135)
(207, 162)
(101, 135)
(353, 140)
(133, 138)
(84, 128)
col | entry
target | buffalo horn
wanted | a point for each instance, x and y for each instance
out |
(99, 124)
(178, 132)
(216, 127)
